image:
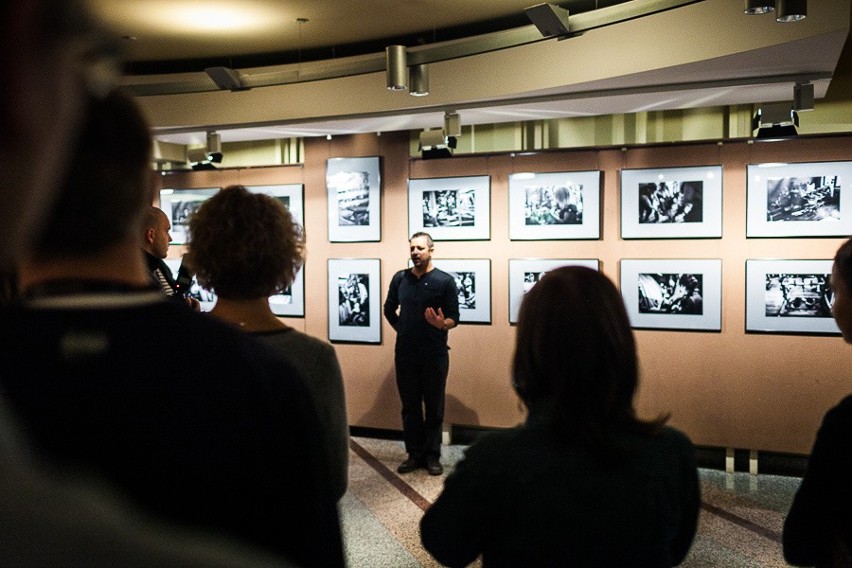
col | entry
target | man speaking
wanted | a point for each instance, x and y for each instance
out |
(428, 304)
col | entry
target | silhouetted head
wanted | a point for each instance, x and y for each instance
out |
(841, 285)
(244, 245)
(109, 182)
(575, 355)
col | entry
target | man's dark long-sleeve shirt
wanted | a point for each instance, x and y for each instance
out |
(412, 295)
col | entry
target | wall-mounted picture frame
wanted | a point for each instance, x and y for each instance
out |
(291, 195)
(473, 280)
(179, 205)
(681, 294)
(205, 297)
(450, 209)
(354, 300)
(525, 272)
(789, 296)
(354, 188)
(555, 205)
(671, 203)
(812, 199)
(290, 302)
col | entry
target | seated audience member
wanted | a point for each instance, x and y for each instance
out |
(818, 528)
(583, 482)
(190, 419)
(246, 247)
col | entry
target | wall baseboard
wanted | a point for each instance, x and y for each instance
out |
(769, 463)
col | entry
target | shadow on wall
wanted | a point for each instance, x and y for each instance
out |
(386, 408)
(455, 412)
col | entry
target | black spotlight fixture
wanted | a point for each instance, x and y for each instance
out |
(791, 10)
(755, 7)
(436, 144)
(775, 121)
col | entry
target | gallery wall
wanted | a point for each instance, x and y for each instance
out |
(725, 388)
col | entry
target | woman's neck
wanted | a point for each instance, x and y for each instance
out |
(249, 315)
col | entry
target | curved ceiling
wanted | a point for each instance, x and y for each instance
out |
(688, 54)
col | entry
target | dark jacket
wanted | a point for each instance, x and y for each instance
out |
(195, 421)
(522, 497)
(818, 528)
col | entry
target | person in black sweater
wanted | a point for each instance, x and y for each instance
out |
(422, 305)
(818, 527)
(192, 420)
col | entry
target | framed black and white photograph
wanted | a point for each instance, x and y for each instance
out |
(555, 205)
(206, 298)
(450, 209)
(290, 302)
(354, 199)
(525, 272)
(671, 203)
(683, 294)
(291, 195)
(799, 200)
(473, 280)
(179, 205)
(789, 296)
(354, 302)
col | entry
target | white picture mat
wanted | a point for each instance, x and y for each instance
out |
(281, 305)
(340, 174)
(519, 267)
(294, 193)
(481, 267)
(340, 268)
(711, 292)
(756, 318)
(294, 304)
(589, 181)
(481, 187)
(757, 224)
(178, 204)
(711, 199)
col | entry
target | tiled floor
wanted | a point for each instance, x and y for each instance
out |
(740, 524)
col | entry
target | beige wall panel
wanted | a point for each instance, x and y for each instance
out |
(728, 388)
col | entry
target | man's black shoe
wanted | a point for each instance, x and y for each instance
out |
(410, 465)
(433, 465)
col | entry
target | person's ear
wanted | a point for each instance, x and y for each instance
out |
(149, 236)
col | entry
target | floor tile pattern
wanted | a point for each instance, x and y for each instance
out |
(742, 515)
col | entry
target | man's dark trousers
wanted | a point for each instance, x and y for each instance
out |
(422, 382)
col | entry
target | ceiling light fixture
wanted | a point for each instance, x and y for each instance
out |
(226, 78)
(436, 144)
(396, 67)
(803, 96)
(550, 19)
(775, 121)
(791, 10)
(754, 7)
(418, 78)
(214, 147)
(452, 124)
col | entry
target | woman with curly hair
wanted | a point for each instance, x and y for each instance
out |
(246, 247)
